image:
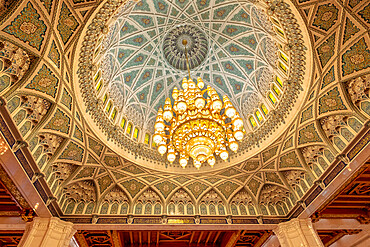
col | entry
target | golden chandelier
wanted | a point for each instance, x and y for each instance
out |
(198, 125)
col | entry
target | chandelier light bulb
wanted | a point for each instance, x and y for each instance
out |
(157, 138)
(175, 93)
(197, 164)
(200, 83)
(171, 157)
(239, 135)
(238, 123)
(217, 105)
(181, 106)
(200, 102)
(234, 146)
(185, 84)
(211, 161)
(167, 115)
(183, 162)
(224, 155)
(162, 148)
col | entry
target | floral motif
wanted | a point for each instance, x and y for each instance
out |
(66, 99)
(328, 78)
(67, 23)
(331, 101)
(326, 16)
(59, 122)
(45, 81)
(197, 188)
(227, 188)
(308, 134)
(365, 13)
(326, 50)
(349, 30)
(307, 114)
(54, 54)
(28, 27)
(165, 188)
(104, 183)
(133, 187)
(289, 160)
(356, 58)
(72, 152)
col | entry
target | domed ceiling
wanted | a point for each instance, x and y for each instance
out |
(255, 59)
(230, 47)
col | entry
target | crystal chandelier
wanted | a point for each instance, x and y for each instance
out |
(198, 124)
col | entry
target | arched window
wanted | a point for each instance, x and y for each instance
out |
(147, 139)
(136, 133)
(123, 123)
(139, 208)
(129, 129)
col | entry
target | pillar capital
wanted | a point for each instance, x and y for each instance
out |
(46, 232)
(298, 232)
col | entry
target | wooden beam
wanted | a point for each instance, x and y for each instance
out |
(191, 238)
(148, 238)
(157, 238)
(217, 235)
(208, 237)
(200, 237)
(131, 238)
(140, 238)
(230, 239)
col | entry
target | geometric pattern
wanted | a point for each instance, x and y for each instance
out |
(45, 81)
(67, 23)
(28, 27)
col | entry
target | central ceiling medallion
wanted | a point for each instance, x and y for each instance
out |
(198, 125)
(197, 46)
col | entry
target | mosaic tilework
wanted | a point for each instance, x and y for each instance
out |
(227, 188)
(326, 50)
(96, 146)
(331, 101)
(66, 99)
(104, 183)
(365, 13)
(165, 188)
(78, 134)
(59, 122)
(349, 30)
(326, 16)
(308, 134)
(28, 27)
(45, 81)
(72, 152)
(356, 58)
(112, 161)
(289, 160)
(254, 185)
(48, 5)
(328, 78)
(54, 54)
(67, 23)
(307, 114)
(197, 188)
(133, 187)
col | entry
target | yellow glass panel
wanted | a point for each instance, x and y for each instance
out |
(252, 121)
(280, 32)
(154, 145)
(283, 67)
(105, 98)
(272, 98)
(259, 116)
(264, 109)
(129, 128)
(114, 114)
(136, 133)
(279, 81)
(275, 21)
(123, 122)
(97, 51)
(109, 106)
(284, 57)
(276, 90)
(147, 138)
(97, 76)
(98, 86)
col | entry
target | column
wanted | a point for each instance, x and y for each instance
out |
(47, 232)
(298, 233)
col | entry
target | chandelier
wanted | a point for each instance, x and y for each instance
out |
(198, 124)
